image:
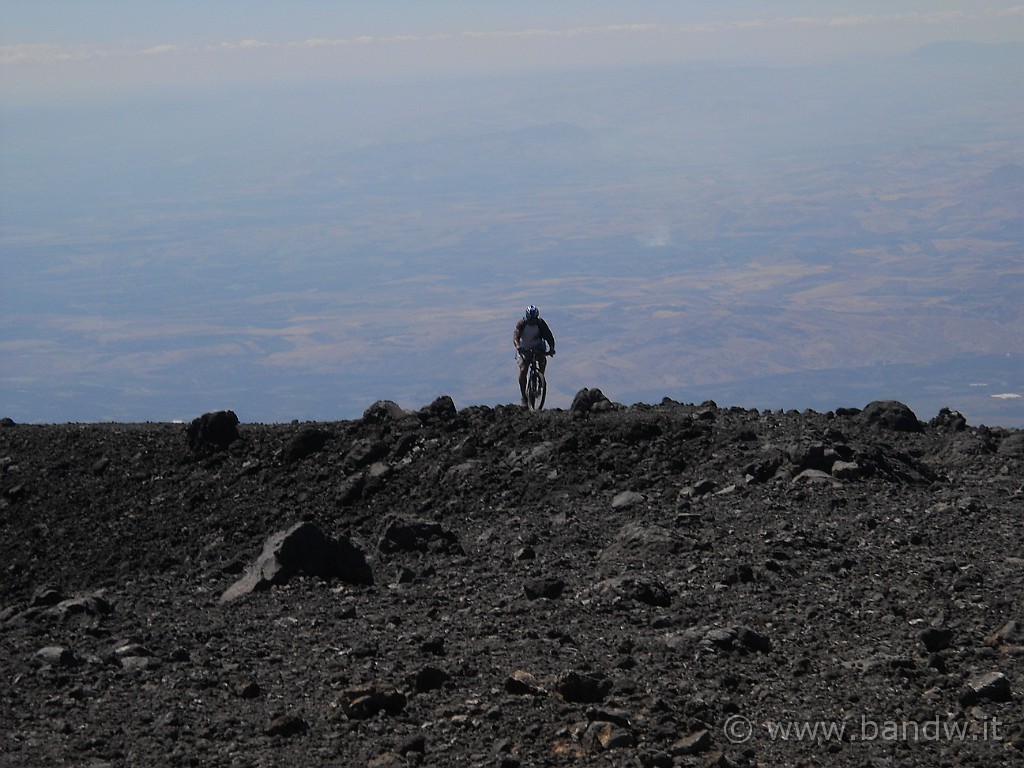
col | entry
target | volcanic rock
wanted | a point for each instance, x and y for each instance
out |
(1012, 445)
(589, 400)
(937, 638)
(715, 591)
(306, 442)
(302, 549)
(693, 744)
(286, 725)
(549, 588)
(402, 534)
(385, 410)
(582, 688)
(992, 685)
(891, 414)
(213, 431)
(368, 701)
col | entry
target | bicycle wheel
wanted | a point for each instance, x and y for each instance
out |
(536, 389)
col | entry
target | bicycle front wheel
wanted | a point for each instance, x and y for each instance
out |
(536, 390)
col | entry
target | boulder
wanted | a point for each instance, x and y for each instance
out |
(587, 400)
(442, 409)
(304, 549)
(213, 431)
(949, 421)
(891, 414)
(385, 410)
(993, 686)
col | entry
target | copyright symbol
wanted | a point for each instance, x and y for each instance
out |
(738, 729)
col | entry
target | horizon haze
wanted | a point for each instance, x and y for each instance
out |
(295, 214)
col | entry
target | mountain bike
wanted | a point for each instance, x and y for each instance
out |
(536, 383)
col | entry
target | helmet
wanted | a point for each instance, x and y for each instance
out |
(532, 313)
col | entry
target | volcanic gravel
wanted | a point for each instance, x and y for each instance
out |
(647, 585)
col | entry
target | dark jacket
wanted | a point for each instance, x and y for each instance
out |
(542, 330)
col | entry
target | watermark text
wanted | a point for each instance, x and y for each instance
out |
(740, 730)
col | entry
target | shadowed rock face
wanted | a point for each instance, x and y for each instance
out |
(491, 586)
(302, 550)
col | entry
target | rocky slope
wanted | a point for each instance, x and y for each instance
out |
(647, 585)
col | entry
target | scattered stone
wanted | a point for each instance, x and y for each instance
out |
(306, 442)
(416, 744)
(603, 736)
(937, 639)
(627, 499)
(247, 688)
(993, 686)
(57, 656)
(522, 683)
(46, 597)
(365, 452)
(1009, 637)
(814, 476)
(695, 743)
(82, 608)
(846, 470)
(388, 760)
(582, 688)
(433, 645)
(633, 588)
(549, 589)
(742, 639)
(403, 534)
(367, 701)
(128, 648)
(302, 549)
(286, 726)
(428, 679)
(643, 545)
(136, 663)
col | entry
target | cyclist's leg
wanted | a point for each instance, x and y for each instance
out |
(522, 378)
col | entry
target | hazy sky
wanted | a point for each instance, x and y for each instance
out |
(294, 209)
(89, 48)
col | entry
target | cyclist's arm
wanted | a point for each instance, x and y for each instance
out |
(545, 333)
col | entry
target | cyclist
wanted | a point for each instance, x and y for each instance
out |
(530, 335)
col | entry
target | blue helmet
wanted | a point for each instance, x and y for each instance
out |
(532, 313)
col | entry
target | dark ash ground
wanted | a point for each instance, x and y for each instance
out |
(646, 585)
